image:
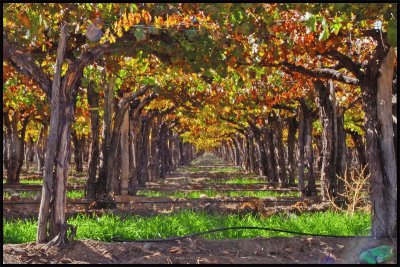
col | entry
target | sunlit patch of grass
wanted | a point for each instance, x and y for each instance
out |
(192, 169)
(22, 194)
(245, 181)
(187, 222)
(213, 193)
(226, 169)
(73, 194)
(71, 181)
(31, 181)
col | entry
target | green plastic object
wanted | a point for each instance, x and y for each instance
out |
(377, 255)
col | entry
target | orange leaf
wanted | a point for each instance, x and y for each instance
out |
(24, 19)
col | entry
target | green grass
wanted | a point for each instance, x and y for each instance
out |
(28, 181)
(31, 181)
(22, 194)
(195, 169)
(71, 181)
(192, 169)
(244, 181)
(212, 193)
(225, 169)
(186, 222)
(74, 194)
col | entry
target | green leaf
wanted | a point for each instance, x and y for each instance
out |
(336, 28)
(324, 35)
(133, 8)
(311, 22)
(324, 23)
(88, 6)
(144, 67)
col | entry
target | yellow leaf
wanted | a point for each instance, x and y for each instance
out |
(146, 16)
(158, 22)
(125, 22)
(132, 18)
(137, 18)
(349, 26)
(112, 38)
(119, 31)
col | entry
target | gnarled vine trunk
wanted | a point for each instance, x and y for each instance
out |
(14, 146)
(57, 149)
(327, 118)
(94, 149)
(376, 93)
(292, 125)
(78, 151)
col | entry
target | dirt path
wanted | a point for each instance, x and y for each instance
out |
(256, 250)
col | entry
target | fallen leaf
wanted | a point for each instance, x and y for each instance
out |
(177, 250)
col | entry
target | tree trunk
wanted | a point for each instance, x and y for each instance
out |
(261, 151)
(143, 147)
(94, 149)
(162, 150)
(380, 146)
(101, 183)
(319, 154)
(29, 153)
(237, 152)
(272, 171)
(40, 148)
(311, 187)
(341, 154)
(154, 153)
(125, 154)
(133, 139)
(327, 118)
(360, 147)
(252, 158)
(394, 113)
(53, 149)
(173, 148)
(112, 167)
(246, 146)
(61, 170)
(301, 140)
(5, 156)
(14, 146)
(181, 156)
(282, 175)
(290, 148)
(242, 147)
(78, 151)
(134, 136)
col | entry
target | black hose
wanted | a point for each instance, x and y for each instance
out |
(117, 238)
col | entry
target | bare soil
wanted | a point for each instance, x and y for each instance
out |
(245, 251)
